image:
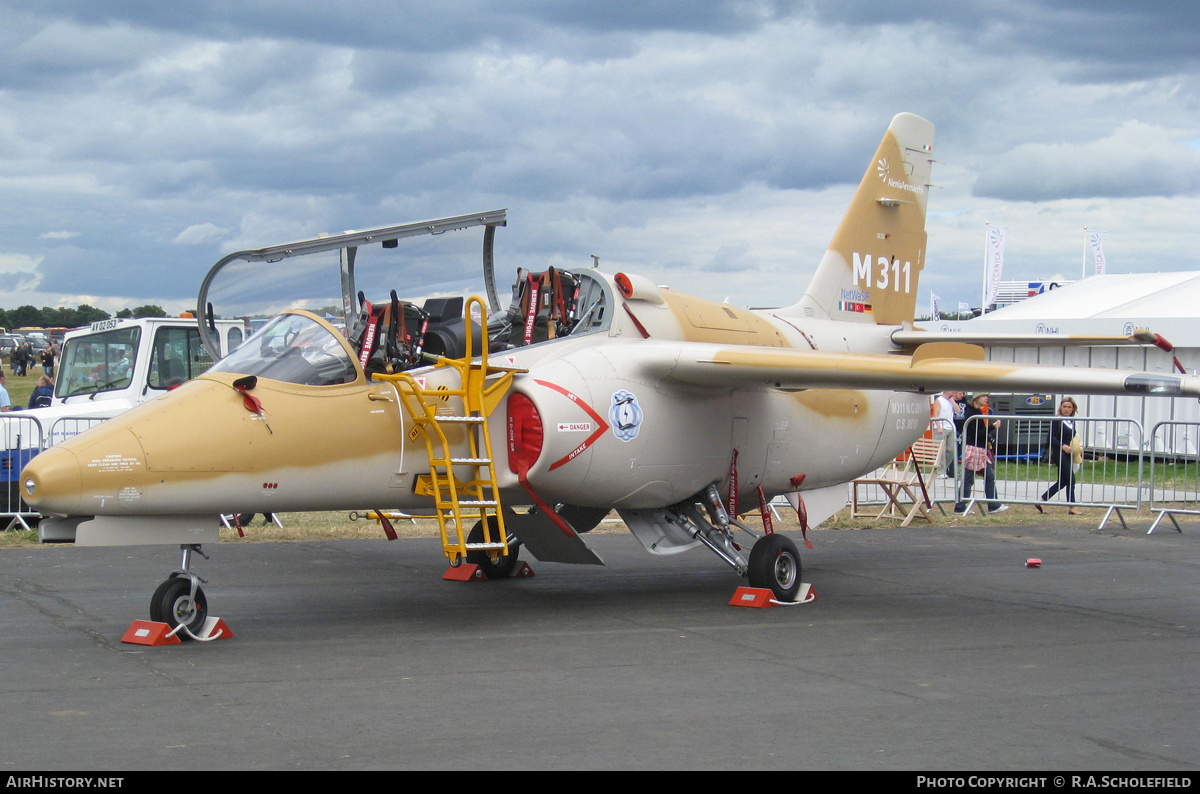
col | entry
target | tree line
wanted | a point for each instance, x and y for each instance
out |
(64, 317)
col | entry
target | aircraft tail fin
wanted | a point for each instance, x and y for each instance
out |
(871, 270)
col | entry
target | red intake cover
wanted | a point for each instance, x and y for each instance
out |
(525, 433)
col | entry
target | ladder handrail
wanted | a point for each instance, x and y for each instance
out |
(477, 402)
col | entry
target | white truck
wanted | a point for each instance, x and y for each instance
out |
(104, 370)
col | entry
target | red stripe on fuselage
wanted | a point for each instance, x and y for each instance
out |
(601, 429)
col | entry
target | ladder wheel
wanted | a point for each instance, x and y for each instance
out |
(504, 565)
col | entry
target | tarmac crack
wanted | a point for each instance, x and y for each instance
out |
(36, 597)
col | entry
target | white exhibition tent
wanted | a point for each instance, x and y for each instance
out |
(1113, 304)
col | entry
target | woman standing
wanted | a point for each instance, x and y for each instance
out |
(978, 455)
(1062, 432)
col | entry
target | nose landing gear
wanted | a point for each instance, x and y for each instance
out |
(180, 601)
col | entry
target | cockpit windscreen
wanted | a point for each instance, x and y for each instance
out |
(294, 349)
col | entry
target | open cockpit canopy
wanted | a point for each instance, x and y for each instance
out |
(395, 310)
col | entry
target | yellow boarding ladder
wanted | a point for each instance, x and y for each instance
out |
(476, 496)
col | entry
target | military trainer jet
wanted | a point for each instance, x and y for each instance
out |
(526, 424)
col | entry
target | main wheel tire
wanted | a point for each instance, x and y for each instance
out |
(172, 604)
(775, 566)
(504, 565)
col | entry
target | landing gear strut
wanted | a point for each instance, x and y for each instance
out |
(774, 559)
(180, 600)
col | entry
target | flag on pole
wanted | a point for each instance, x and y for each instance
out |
(933, 305)
(993, 265)
(1096, 241)
(963, 308)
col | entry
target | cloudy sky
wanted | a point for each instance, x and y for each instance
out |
(711, 146)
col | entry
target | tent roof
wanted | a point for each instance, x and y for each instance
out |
(1113, 296)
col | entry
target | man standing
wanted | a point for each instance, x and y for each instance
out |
(949, 407)
(23, 358)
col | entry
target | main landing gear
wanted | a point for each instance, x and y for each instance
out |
(180, 600)
(775, 566)
(774, 559)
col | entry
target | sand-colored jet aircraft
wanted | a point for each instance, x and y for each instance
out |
(589, 393)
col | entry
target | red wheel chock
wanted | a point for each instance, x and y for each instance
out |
(469, 572)
(149, 632)
(762, 598)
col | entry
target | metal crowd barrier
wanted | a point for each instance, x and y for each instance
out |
(25, 437)
(1174, 471)
(1110, 476)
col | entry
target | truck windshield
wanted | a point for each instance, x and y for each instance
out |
(294, 349)
(97, 362)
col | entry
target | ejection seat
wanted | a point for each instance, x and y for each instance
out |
(544, 307)
(399, 335)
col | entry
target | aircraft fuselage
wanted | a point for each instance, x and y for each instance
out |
(611, 436)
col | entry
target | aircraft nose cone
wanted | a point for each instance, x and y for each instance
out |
(52, 482)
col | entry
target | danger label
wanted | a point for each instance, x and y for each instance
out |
(575, 427)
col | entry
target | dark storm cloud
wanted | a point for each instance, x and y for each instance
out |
(1090, 40)
(654, 15)
(415, 25)
(410, 25)
(161, 135)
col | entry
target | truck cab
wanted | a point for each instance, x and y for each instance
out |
(116, 364)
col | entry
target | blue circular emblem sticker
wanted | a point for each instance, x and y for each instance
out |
(625, 415)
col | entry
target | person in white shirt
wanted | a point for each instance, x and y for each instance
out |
(5, 402)
(949, 407)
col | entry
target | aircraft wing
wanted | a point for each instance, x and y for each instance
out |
(932, 367)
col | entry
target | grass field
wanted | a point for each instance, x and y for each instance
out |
(19, 388)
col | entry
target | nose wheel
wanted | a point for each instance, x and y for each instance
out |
(180, 601)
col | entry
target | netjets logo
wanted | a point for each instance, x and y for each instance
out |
(882, 169)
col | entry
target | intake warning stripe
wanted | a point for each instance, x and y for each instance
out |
(601, 429)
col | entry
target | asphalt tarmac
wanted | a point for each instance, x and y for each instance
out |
(927, 649)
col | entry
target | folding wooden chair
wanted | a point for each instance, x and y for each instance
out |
(904, 482)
